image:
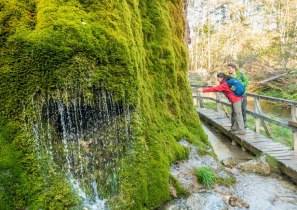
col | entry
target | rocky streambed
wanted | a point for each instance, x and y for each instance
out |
(256, 187)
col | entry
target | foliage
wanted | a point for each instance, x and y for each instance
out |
(206, 176)
(258, 36)
(133, 49)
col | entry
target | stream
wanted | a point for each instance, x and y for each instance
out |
(251, 190)
(278, 111)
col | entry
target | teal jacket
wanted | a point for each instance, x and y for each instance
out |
(242, 77)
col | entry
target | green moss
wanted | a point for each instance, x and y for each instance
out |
(134, 50)
(9, 167)
(24, 180)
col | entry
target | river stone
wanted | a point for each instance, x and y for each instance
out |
(230, 162)
(257, 166)
(205, 201)
(237, 201)
(201, 201)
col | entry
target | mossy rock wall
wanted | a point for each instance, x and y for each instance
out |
(133, 49)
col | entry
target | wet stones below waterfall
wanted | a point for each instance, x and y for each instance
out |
(218, 197)
(259, 166)
(253, 190)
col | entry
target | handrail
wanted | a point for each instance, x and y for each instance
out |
(258, 115)
(261, 117)
(268, 98)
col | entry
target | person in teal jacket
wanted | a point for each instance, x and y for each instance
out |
(241, 76)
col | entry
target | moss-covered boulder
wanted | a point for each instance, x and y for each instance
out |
(62, 50)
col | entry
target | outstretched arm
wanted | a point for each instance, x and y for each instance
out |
(218, 88)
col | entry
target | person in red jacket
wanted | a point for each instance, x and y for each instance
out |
(238, 125)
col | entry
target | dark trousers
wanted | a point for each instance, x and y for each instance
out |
(243, 107)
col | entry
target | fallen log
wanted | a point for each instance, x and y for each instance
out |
(274, 77)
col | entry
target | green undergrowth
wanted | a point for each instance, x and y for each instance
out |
(208, 178)
(132, 49)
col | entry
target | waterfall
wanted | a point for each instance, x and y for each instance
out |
(85, 139)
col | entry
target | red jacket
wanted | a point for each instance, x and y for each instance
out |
(223, 87)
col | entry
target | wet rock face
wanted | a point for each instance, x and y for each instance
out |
(256, 166)
(85, 139)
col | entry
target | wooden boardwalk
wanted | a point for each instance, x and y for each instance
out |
(254, 142)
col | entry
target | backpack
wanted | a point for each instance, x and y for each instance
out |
(236, 86)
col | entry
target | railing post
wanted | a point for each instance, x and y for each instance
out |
(197, 99)
(294, 134)
(201, 100)
(217, 103)
(257, 111)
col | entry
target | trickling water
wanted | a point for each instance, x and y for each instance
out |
(86, 139)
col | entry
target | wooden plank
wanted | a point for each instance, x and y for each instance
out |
(225, 123)
(267, 150)
(265, 146)
(287, 158)
(271, 143)
(281, 153)
(257, 141)
(291, 163)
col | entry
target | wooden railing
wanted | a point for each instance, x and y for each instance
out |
(257, 113)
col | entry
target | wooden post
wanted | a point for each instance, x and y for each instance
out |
(217, 103)
(200, 100)
(294, 134)
(197, 99)
(267, 130)
(256, 110)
